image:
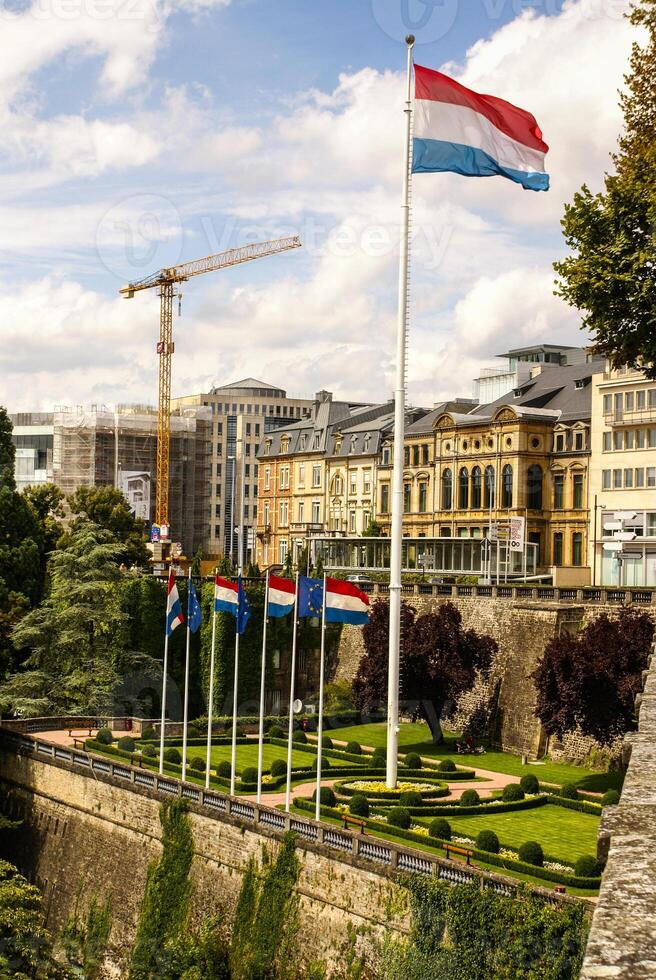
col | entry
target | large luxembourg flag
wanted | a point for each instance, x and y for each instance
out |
(174, 617)
(346, 603)
(282, 596)
(230, 597)
(460, 131)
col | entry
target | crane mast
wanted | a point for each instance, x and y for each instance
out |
(164, 281)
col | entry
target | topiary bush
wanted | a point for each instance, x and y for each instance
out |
(326, 741)
(354, 748)
(193, 731)
(104, 736)
(531, 853)
(512, 793)
(197, 764)
(410, 798)
(569, 791)
(276, 732)
(359, 805)
(325, 763)
(326, 796)
(470, 798)
(530, 783)
(172, 755)
(126, 742)
(148, 733)
(249, 775)
(149, 751)
(398, 816)
(413, 761)
(587, 866)
(610, 798)
(440, 827)
(278, 767)
(224, 769)
(487, 840)
(375, 762)
(447, 765)
(380, 753)
(300, 737)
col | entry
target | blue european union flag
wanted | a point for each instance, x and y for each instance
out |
(244, 609)
(194, 615)
(310, 596)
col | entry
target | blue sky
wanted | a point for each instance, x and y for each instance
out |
(141, 132)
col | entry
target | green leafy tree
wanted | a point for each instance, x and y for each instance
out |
(195, 565)
(373, 530)
(610, 275)
(288, 567)
(107, 507)
(25, 946)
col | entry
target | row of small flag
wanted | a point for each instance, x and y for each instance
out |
(344, 601)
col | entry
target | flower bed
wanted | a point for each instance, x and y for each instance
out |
(375, 790)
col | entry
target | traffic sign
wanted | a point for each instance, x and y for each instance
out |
(613, 525)
(625, 536)
(612, 546)
(624, 515)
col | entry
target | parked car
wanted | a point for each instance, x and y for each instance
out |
(359, 579)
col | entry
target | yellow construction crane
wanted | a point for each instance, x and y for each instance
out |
(165, 280)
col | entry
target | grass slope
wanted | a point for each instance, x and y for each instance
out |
(247, 756)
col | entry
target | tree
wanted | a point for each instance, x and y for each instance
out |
(25, 946)
(108, 508)
(589, 681)
(288, 568)
(439, 661)
(373, 529)
(46, 503)
(611, 273)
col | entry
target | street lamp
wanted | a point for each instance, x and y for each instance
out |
(597, 506)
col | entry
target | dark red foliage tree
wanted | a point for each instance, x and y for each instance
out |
(589, 681)
(439, 661)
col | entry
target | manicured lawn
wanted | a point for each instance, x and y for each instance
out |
(247, 756)
(414, 737)
(564, 834)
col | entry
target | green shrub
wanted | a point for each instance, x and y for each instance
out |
(224, 769)
(126, 743)
(276, 732)
(197, 764)
(239, 731)
(398, 816)
(326, 741)
(325, 763)
(413, 761)
(375, 762)
(172, 755)
(531, 853)
(359, 805)
(300, 737)
(193, 731)
(440, 827)
(326, 796)
(470, 798)
(249, 775)
(447, 765)
(610, 798)
(278, 767)
(512, 793)
(148, 733)
(149, 751)
(569, 791)
(104, 736)
(530, 783)
(410, 798)
(587, 866)
(354, 748)
(487, 840)
(380, 753)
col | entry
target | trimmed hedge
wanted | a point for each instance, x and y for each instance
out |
(487, 841)
(224, 769)
(530, 783)
(410, 798)
(249, 775)
(512, 793)
(398, 816)
(325, 763)
(413, 761)
(104, 736)
(278, 767)
(610, 798)
(148, 733)
(197, 764)
(447, 765)
(326, 796)
(326, 742)
(569, 791)
(359, 805)
(469, 798)
(276, 732)
(581, 805)
(354, 748)
(531, 853)
(173, 755)
(299, 737)
(587, 866)
(126, 743)
(149, 752)
(439, 827)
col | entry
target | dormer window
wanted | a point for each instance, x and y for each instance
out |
(284, 446)
(367, 440)
(301, 444)
(386, 455)
(267, 447)
(354, 444)
(579, 383)
(317, 441)
(517, 393)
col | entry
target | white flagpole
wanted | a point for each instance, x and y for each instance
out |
(262, 674)
(233, 756)
(399, 433)
(186, 688)
(211, 692)
(163, 726)
(290, 732)
(317, 811)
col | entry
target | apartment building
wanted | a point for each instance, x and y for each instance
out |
(513, 368)
(623, 476)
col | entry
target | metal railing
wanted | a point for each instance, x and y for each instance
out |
(602, 596)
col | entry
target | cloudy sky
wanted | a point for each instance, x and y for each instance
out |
(139, 133)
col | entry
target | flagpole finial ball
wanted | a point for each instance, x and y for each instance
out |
(410, 39)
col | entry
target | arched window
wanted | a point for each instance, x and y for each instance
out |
(463, 489)
(534, 487)
(506, 486)
(447, 490)
(476, 488)
(489, 486)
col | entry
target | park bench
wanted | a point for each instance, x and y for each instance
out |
(454, 849)
(78, 743)
(70, 732)
(353, 822)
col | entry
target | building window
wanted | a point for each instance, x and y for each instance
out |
(316, 476)
(415, 455)
(463, 489)
(423, 497)
(317, 440)
(476, 488)
(559, 442)
(284, 513)
(559, 488)
(558, 548)
(534, 487)
(407, 495)
(301, 511)
(301, 475)
(617, 479)
(354, 484)
(577, 548)
(489, 487)
(447, 490)
(640, 399)
(266, 515)
(316, 512)
(628, 479)
(608, 404)
(283, 552)
(605, 479)
(267, 478)
(386, 456)
(640, 438)
(651, 476)
(579, 441)
(507, 486)
(608, 441)
(628, 439)
(640, 477)
(352, 522)
(617, 440)
(366, 477)
(578, 491)
(424, 454)
(384, 498)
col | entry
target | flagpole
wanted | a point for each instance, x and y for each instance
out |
(317, 812)
(233, 755)
(161, 734)
(211, 693)
(186, 688)
(399, 432)
(262, 674)
(290, 732)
